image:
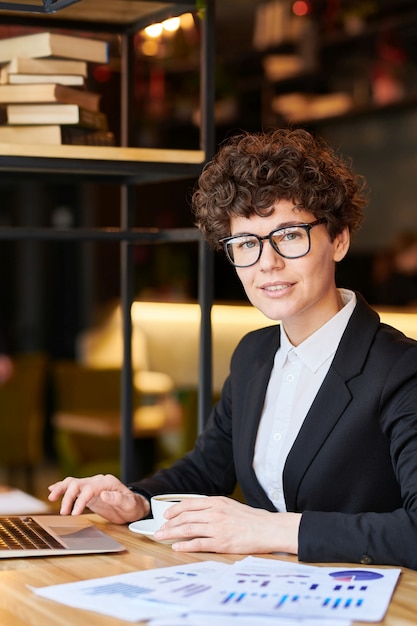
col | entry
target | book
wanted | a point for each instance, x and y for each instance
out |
(77, 136)
(54, 134)
(22, 79)
(20, 65)
(52, 114)
(49, 134)
(49, 93)
(47, 44)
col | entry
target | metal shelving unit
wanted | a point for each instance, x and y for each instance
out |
(126, 167)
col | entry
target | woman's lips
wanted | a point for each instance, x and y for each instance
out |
(276, 287)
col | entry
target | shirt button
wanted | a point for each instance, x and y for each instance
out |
(290, 378)
(277, 437)
(366, 559)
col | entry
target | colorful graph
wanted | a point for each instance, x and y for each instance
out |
(322, 592)
(350, 575)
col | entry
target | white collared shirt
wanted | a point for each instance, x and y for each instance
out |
(296, 377)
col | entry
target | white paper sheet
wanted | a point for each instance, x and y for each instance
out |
(17, 502)
(191, 595)
(235, 594)
(206, 619)
(260, 586)
(123, 596)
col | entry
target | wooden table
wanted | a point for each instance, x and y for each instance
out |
(20, 607)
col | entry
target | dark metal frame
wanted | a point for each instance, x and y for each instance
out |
(48, 6)
(127, 174)
(59, 20)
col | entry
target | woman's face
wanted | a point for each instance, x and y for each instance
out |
(301, 293)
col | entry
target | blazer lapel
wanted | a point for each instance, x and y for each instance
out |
(326, 410)
(332, 399)
(251, 403)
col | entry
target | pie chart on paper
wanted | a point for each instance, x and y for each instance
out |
(358, 575)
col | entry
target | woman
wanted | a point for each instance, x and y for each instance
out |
(317, 421)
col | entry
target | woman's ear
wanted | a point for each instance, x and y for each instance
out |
(341, 244)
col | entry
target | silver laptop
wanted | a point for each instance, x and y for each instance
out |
(50, 535)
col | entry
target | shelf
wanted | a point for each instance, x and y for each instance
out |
(103, 153)
(357, 112)
(403, 21)
(116, 14)
(98, 163)
(124, 166)
(364, 57)
(135, 164)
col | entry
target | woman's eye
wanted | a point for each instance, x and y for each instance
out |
(248, 244)
(291, 235)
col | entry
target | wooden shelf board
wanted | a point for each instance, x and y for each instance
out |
(104, 153)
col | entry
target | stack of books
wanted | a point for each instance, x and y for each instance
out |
(43, 93)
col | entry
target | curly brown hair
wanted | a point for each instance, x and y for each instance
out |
(254, 170)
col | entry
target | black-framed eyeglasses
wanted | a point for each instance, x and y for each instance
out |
(291, 242)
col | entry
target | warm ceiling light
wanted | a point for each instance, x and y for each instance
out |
(149, 48)
(36, 6)
(171, 25)
(153, 30)
(187, 21)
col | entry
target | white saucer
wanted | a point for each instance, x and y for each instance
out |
(146, 527)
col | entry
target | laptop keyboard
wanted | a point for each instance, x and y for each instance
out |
(18, 533)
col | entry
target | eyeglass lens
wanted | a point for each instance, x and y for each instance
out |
(290, 242)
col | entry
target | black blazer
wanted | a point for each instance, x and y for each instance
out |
(352, 470)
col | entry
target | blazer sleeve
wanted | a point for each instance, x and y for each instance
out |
(209, 468)
(226, 445)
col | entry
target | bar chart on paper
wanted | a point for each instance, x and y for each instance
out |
(250, 588)
(265, 588)
(294, 596)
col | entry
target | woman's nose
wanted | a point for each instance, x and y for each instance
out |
(270, 257)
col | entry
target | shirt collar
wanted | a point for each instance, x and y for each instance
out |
(322, 344)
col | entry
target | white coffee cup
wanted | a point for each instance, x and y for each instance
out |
(162, 502)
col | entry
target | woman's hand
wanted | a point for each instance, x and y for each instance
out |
(219, 524)
(102, 494)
